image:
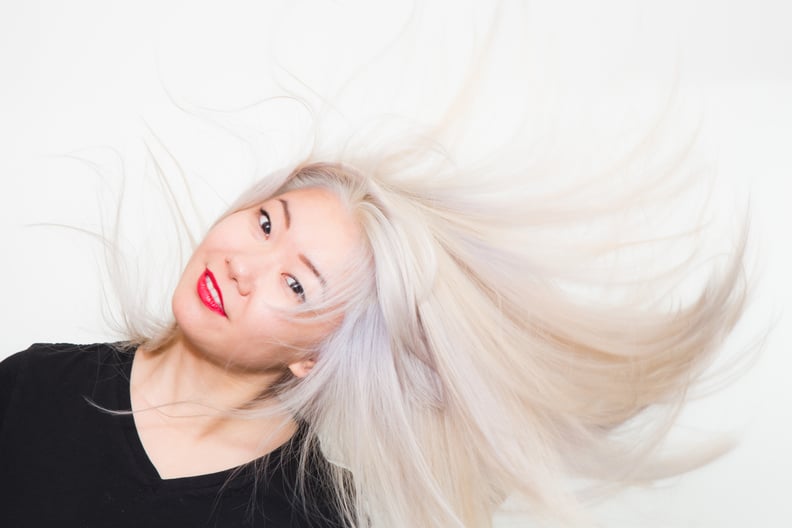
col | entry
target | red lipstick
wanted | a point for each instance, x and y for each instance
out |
(210, 294)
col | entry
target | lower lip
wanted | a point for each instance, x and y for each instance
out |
(206, 297)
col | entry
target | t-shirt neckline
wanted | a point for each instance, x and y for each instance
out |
(231, 478)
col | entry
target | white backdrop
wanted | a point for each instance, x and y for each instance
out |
(83, 79)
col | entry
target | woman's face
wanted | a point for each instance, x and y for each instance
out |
(281, 254)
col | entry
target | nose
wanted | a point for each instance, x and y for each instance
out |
(254, 268)
(242, 270)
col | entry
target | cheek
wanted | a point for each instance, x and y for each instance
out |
(183, 310)
(289, 335)
(262, 327)
(312, 333)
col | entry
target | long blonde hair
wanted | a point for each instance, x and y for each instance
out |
(464, 371)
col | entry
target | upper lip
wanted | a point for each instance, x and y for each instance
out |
(217, 287)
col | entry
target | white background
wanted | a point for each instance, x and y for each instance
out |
(83, 79)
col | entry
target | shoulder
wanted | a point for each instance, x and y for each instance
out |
(55, 357)
(50, 366)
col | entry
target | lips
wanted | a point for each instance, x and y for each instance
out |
(210, 294)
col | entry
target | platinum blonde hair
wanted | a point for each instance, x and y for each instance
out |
(493, 340)
(463, 371)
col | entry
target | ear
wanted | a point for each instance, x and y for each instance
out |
(302, 368)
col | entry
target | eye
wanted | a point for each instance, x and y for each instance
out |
(295, 286)
(264, 222)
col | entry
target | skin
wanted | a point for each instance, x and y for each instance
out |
(262, 263)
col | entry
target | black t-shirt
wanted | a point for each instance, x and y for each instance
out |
(66, 463)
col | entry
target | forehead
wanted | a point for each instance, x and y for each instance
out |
(321, 226)
(317, 199)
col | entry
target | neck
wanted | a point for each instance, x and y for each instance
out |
(181, 403)
(187, 385)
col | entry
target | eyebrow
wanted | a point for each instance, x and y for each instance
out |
(313, 269)
(286, 215)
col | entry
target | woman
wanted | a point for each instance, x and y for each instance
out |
(353, 344)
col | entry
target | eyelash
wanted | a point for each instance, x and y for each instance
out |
(291, 282)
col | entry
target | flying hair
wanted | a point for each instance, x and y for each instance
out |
(462, 372)
(499, 329)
